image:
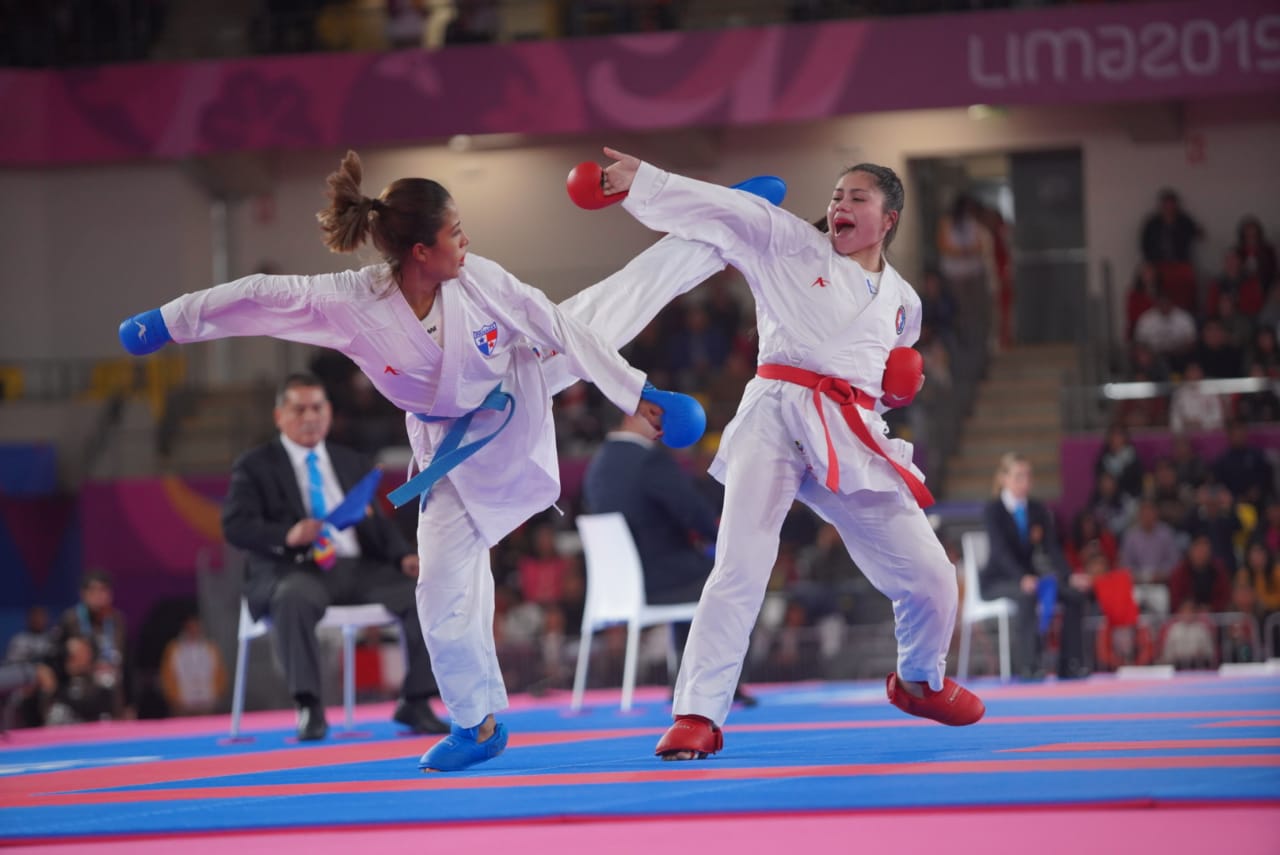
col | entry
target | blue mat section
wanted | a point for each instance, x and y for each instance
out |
(833, 747)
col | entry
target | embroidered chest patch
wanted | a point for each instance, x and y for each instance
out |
(900, 319)
(486, 338)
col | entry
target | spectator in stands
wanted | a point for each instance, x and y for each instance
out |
(1143, 292)
(1243, 468)
(543, 571)
(476, 21)
(1257, 255)
(406, 21)
(1260, 406)
(1216, 354)
(1190, 466)
(831, 583)
(1172, 499)
(724, 311)
(1200, 579)
(85, 691)
(36, 642)
(191, 671)
(1267, 531)
(1236, 326)
(1169, 234)
(1119, 458)
(1113, 508)
(1025, 548)
(698, 350)
(1214, 515)
(1150, 552)
(278, 495)
(1231, 281)
(1087, 535)
(1261, 568)
(1168, 331)
(1191, 408)
(672, 524)
(1240, 641)
(963, 244)
(938, 309)
(1187, 639)
(1263, 352)
(1122, 639)
(97, 621)
(1000, 263)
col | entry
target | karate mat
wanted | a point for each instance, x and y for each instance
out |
(1164, 760)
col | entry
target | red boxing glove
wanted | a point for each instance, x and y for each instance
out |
(903, 376)
(585, 186)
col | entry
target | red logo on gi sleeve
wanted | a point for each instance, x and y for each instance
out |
(900, 320)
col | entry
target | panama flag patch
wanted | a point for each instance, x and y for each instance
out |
(486, 338)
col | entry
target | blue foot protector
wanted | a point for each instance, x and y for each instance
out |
(460, 750)
(683, 419)
(144, 333)
(769, 187)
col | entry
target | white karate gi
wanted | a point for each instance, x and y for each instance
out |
(496, 330)
(817, 310)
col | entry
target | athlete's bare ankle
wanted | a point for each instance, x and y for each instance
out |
(487, 728)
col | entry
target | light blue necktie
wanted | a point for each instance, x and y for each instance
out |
(1020, 517)
(323, 553)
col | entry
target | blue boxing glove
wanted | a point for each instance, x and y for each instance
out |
(768, 187)
(144, 333)
(683, 419)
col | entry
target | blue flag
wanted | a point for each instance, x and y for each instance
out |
(352, 507)
(1047, 594)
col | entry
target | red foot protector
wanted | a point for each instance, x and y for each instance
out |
(586, 187)
(690, 733)
(954, 705)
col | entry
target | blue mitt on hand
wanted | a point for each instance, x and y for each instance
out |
(683, 419)
(144, 333)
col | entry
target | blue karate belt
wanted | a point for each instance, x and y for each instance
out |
(451, 451)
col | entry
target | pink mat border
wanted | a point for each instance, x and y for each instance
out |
(1171, 828)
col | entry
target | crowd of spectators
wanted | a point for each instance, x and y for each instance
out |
(1184, 326)
(62, 33)
(1189, 550)
(84, 667)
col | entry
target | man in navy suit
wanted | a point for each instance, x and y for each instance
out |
(1024, 548)
(296, 568)
(672, 523)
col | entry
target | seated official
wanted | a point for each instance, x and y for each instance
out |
(1024, 548)
(671, 522)
(296, 568)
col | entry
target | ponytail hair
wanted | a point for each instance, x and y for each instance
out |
(345, 222)
(410, 211)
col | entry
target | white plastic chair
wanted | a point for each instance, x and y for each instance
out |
(615, 594)
(976, 549)
(349, 619)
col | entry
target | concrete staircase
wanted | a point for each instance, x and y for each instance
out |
(222, 424)
(1017, 408)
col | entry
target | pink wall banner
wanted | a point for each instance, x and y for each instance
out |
(737, 77)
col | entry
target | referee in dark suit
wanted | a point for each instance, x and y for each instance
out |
(277, 492)
(671, 522)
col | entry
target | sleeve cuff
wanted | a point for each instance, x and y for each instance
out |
(648, 182)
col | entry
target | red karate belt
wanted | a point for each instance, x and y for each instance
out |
(847, 398)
